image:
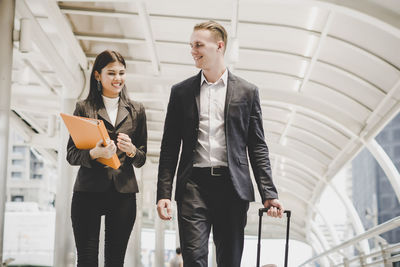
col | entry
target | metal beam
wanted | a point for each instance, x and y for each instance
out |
(232, 54)
(71, 75)
(353, 216)
(321, 238)
(96, 12)
(331, 229)
(148, 33)
(44, 144)
(382, 228)
(35, 104)
(95, 1)
(386, 164)
(382, 105)
(64, 249)
(65, 32)
(317, 51)
(108, 38)
(7, 12)
(367, 12)
(317, 246)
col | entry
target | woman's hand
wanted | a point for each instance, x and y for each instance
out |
(124, 144)
(100, 151)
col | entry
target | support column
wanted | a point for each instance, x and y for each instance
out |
(137, 229)
(7, 11)
(137, 238)
(176, 228)
(159, 233)
(322, 240)
(353, 216)
(386, 164)
(64, 247)
(317, 246)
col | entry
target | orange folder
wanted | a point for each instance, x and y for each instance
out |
(86, 132)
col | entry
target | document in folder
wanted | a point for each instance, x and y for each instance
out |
(86, 132)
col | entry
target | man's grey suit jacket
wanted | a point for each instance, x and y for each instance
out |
(244, 139)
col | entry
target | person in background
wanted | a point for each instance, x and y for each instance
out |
(177, 260)
(100, 190)
(214, 122)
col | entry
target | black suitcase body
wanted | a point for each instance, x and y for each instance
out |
(260, 214)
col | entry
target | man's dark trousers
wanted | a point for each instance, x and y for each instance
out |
(211, 202)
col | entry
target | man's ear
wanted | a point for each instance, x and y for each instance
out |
(221, 45)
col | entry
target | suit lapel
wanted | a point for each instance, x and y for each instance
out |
(196, 92)
(229, 92)
(102, 112)
(122, 113)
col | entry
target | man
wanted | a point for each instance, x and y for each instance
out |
(216, 117)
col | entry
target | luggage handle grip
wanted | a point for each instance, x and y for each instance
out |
(262, 210)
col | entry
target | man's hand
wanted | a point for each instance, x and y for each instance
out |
(275, 209)
(163, 204)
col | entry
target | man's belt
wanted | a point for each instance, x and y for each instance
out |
(212, 171)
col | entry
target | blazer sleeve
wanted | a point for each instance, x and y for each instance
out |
(140, 140)
(77, 156)
(258, 152)
(170, 147)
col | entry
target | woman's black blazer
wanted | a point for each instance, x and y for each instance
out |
(96, 177)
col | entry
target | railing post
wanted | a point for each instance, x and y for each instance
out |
(385, 255)
(346, 262)
(362, 258)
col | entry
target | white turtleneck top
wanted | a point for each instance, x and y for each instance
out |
(111, 105)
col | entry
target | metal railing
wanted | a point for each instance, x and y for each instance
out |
(385, 255)
(6, 262)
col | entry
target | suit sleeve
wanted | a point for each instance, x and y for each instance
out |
(77, 156)
(140, 140)
(258, 152)
(170, 147)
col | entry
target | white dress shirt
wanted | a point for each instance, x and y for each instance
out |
(211, 144)
(111, 105)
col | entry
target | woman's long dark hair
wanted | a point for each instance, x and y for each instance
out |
(103, 59)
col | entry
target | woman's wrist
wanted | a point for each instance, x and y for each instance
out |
(93, 153)
(132, 154)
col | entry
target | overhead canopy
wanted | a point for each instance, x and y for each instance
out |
(327, 71)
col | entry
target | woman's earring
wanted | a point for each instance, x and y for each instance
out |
(99, 86)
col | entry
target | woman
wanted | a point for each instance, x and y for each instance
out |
(100, 190)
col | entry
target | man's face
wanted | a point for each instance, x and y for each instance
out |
(206, 50)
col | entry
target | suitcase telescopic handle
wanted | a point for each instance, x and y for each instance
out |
(260, 214)
(263, 210)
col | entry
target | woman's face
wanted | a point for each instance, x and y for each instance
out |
(112, 78)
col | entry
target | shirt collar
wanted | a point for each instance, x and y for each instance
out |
(224, 78)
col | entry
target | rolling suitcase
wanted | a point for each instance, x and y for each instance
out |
(260, 214)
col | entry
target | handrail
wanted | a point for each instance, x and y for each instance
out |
(379, 252)
(383, 227)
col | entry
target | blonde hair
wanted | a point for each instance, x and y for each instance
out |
(217, 30)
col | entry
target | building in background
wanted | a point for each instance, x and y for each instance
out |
(30, 177)
(373, 195)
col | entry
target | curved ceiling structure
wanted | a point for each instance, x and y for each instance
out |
(328, 74)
